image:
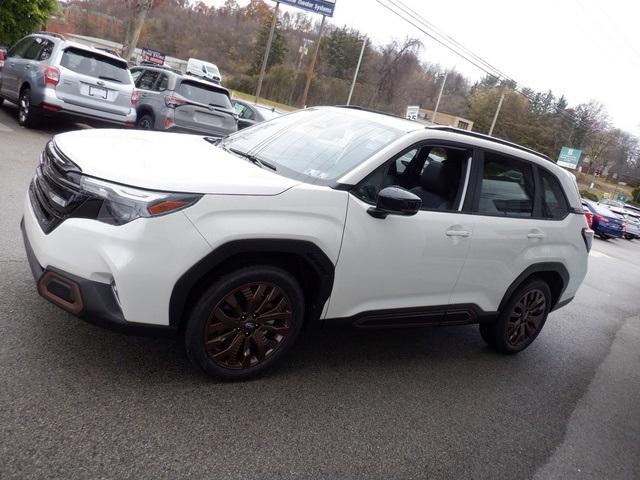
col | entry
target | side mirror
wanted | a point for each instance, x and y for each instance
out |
(395, 201)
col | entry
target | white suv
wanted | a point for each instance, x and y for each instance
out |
(324, 215)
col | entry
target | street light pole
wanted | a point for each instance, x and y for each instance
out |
(495, 117)
(265, 59)
(435, 111)
(312, 65)
(355, 75)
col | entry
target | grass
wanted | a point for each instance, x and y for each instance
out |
(602, 186)
(262, 101)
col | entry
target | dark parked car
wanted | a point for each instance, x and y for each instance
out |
(251, 113)
(605, 223)
(172, 102)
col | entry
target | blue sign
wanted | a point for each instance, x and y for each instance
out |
(323, 7)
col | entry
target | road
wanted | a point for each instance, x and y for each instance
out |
(77, 401)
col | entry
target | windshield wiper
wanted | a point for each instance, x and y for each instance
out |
(109, 78)
(252, 158)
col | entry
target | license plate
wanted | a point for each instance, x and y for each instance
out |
(98, 92)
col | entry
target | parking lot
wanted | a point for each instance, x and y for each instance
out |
(77, 401)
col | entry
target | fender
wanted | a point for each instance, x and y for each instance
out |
(312, 257)
(555, 267)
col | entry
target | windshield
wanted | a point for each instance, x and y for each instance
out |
(197, 92)
(212, 69)
(313, 145)
(95, 65)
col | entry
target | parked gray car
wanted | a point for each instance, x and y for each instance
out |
(171, 101)
(47, 75)
(252, 113)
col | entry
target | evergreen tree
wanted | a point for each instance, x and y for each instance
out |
(278, 47)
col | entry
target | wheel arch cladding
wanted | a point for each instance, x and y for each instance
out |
(555, 274)
(309, 265)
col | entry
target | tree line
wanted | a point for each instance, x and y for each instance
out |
(392, 75)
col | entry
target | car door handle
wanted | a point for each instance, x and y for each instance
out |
(457, 233)
(535, 235)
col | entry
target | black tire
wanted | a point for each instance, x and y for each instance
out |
(145, 122)
(230, 319)
(521, 320)
(26, 116)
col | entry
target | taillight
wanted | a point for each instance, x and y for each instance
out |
(600, 219)
(135, 98)
(51, 76)
(589, 216)
(173, 101)
(587, 236)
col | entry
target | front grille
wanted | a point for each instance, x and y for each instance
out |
(55, 190)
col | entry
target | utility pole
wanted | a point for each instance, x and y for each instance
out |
(355, 75)
(435, 111)
(267, 50)
(495, 117)
(312, 65)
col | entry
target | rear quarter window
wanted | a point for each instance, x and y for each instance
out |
(554, 204)
(197, 92)
(93, 64)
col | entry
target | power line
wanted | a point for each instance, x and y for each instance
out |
(478, 62)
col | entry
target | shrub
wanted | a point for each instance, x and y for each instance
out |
(589, 195)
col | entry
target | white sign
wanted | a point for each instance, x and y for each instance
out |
(412, 112)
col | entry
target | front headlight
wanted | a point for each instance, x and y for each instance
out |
(122, 204)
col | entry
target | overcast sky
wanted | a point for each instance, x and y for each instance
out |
(584, 49)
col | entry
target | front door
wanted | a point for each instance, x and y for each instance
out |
(403, 269)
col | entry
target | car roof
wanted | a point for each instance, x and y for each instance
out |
(389, 120)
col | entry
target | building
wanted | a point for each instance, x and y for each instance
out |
(426, 116)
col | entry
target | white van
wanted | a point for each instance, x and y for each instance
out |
(203, 69)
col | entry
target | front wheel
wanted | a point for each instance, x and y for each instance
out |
(521, 319)
(245, 322)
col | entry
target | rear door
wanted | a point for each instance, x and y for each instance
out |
(207, 109)
(92, 80)
(13, 68)
(503, 194)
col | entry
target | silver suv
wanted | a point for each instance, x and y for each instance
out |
(171, 101)
(45, 74)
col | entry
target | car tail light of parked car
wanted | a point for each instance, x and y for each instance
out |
(135, 98)
(1, 59)
(51, 76)
(173, 101)
(589, 217)
(600, 218)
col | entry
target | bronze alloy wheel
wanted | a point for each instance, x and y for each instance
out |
(248, 325)
(526, 317)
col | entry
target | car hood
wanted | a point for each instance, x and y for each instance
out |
(167, 161)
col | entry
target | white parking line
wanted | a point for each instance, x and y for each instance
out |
(595, 253)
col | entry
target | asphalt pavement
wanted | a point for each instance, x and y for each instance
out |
(77, 401)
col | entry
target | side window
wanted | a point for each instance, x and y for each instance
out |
(147, 79)
(20, 48)
(47, 49)
(135, 74)
(162, 84)
(34, 49)
(403, 162)
(435, 174)
(507, 187)
(554, 204)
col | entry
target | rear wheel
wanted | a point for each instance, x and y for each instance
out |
(145, 122)
(521, 319)
(245, 322)
(26, 116)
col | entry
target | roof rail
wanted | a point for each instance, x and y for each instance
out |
(52, 34)
(357, 107)
(491, 139)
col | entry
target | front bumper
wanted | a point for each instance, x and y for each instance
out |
(91, 301)
(142, 259)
